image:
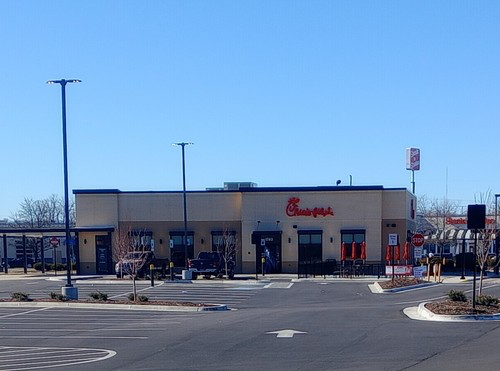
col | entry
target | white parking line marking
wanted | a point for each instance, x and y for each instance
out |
(72, 337)
(80, 330)
(84, 323)
(74, 356)
(19, 314)
(141, 290)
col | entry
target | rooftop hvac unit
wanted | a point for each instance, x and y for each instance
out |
(235, 186)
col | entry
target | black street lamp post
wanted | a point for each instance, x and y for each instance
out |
(497, 239)
(184, 144)
(70, 291)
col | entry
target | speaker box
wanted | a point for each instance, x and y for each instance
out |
(476, 216)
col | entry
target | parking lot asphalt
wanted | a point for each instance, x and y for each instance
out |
(210, 293)
(338, 326)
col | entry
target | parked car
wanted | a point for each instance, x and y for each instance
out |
(19, 263)
(141, 259)
(210, 264)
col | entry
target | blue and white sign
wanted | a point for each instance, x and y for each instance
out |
(419, 272)
(393, 239)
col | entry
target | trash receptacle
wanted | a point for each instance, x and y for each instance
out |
(187, 274)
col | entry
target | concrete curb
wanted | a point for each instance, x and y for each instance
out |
(377, 289)
(427, 315)
(133, 307)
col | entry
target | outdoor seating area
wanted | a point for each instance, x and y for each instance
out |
(344, 269)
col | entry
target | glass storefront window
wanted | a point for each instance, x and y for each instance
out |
(350, 236)
(310, 246)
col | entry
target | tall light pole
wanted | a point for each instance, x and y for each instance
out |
(497, 238)
(70, 291)
(184, 144)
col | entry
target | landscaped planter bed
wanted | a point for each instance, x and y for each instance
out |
(151, 302)
(401, 282)
(449, 307)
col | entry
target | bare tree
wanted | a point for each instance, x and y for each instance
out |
(130, 250)
(227, 247)
(486, 198)
(484, 259)
(42, 213)
(486, 237)
(433, 215)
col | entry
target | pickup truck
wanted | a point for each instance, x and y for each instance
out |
(210, 264)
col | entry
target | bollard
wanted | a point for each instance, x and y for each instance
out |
(171, 265)
(263, 261)
(151, 273)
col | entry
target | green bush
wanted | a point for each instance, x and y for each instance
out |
(99, 296)
(20, 296)
(487, 300)
(456, 295)
(140, 298)
(58, 267)
(56, 296)
(50, 267)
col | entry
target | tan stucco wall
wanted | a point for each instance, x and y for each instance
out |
(352, 210)
(96, 209)
(169, 206)
(162, 213)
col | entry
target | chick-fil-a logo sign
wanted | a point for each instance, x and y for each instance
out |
(293, 209)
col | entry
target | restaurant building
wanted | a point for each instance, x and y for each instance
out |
(287, 225)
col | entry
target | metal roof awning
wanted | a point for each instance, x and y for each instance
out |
(41, 231)
(452, 234)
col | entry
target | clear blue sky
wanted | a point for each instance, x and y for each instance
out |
(281, 93)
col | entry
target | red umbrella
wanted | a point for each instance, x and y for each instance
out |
(354, 254)
(363, 250)
(397, 254)
(406, 254)
(388, 255)
(343, 252)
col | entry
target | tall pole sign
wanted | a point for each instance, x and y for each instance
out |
(476, 216)
(413, 163)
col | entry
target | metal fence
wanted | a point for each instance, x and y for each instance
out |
(343, 269)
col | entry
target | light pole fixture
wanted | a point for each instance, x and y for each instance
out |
(70, 291)
(182, 145)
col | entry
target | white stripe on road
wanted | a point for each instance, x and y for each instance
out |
(440, 297)
(21, 313)
(81, 330)
(59, 363)
(72, 337)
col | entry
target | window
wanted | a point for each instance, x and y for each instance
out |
(177, 240)
(142, 239)
(310, 246)
(219, 238)
(350, 236)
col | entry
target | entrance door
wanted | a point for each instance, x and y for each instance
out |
(178, 250)
(268, 246)
(103, 255)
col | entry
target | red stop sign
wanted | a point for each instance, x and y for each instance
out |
(417, 240)
(54, 241)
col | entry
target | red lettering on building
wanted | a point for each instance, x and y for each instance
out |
(455, 221)
(293, 209)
